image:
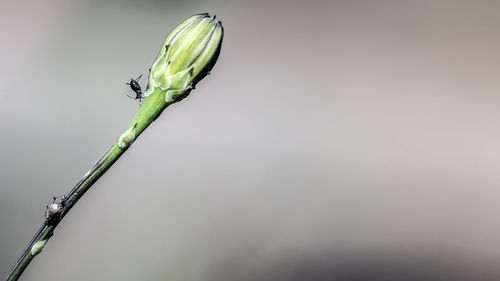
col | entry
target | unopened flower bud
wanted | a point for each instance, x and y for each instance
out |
(128, 137)
(38, 247)
(187, 55)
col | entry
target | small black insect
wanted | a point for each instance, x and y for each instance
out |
(134, 85)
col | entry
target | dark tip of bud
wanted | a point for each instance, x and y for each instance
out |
(214, 16)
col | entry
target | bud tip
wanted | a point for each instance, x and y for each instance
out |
(128, 137)
(37, 247)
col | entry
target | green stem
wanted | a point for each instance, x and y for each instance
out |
(150, 109)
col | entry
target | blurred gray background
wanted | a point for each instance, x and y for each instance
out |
(334, 140)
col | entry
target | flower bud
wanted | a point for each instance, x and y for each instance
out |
(38, 247)
(187, 55)
(128, 137)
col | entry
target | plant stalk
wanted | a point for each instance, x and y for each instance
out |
(187, 56)
(150, 109)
